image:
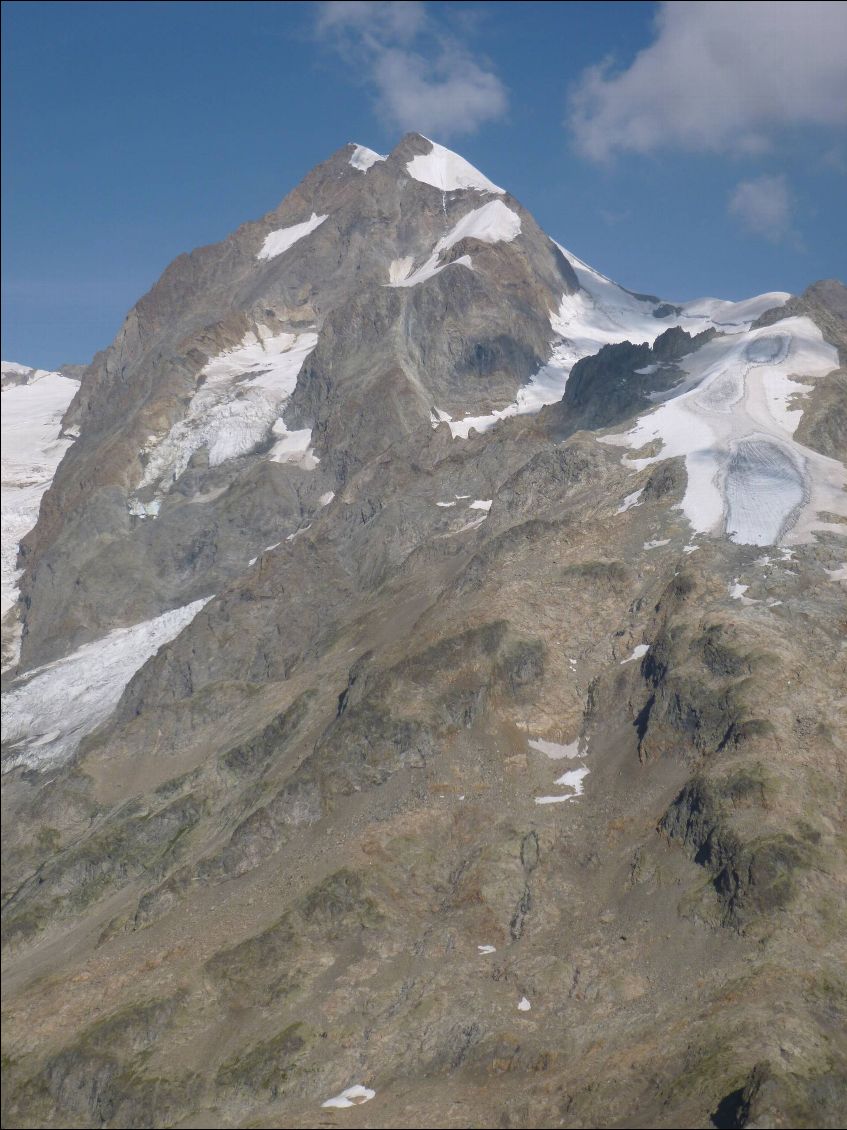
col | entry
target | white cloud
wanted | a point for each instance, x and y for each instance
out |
(392, 22)
(719, 77)
(763, 206)
(423, 78)
(451, 94)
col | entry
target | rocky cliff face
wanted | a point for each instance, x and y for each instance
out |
(429, 686)
(175, 412)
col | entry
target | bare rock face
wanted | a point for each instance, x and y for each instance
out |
(615, 383)
(417, 709)
(824, 423)
(376, 347)
(826, 301)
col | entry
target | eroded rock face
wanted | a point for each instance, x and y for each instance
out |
(823, 426)
(482, 788)
(385, 355)
(622, 379)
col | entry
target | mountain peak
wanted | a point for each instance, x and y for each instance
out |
(434, 164)
(363, 158)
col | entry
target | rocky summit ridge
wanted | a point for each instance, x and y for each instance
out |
(424, 689)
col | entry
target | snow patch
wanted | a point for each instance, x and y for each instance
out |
(293, 447)
(481, 504)
(630, 501)
(429, 270)
(638, 652)
(444, 169)
(351, 1096)
(486, 949)
(32, 448)
(554, 750)
(573, 780)
(363, 158)
(16, 367)
(602, 312)
(237, 406)
(268, 549)
(729, 315)
(524, 1005)
(279, 241)
(48, 711)
(461, 428)
(492, 223)
(140, 509)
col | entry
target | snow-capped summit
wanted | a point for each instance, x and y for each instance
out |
(448, 171)
(291, 327)
(363, 158)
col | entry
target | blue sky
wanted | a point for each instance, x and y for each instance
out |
(683, 149)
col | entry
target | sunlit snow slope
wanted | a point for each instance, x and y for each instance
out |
(733, 419)
(32, 448)
(236, 407)
(51, 709)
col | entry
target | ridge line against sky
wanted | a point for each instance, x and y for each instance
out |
(682, 148)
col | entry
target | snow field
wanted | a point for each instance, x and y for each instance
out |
(446, 170)
(237, 407)
(747, 477)
(32, 448)
(48, 711)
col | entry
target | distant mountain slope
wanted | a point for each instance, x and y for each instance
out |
(430, 694)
